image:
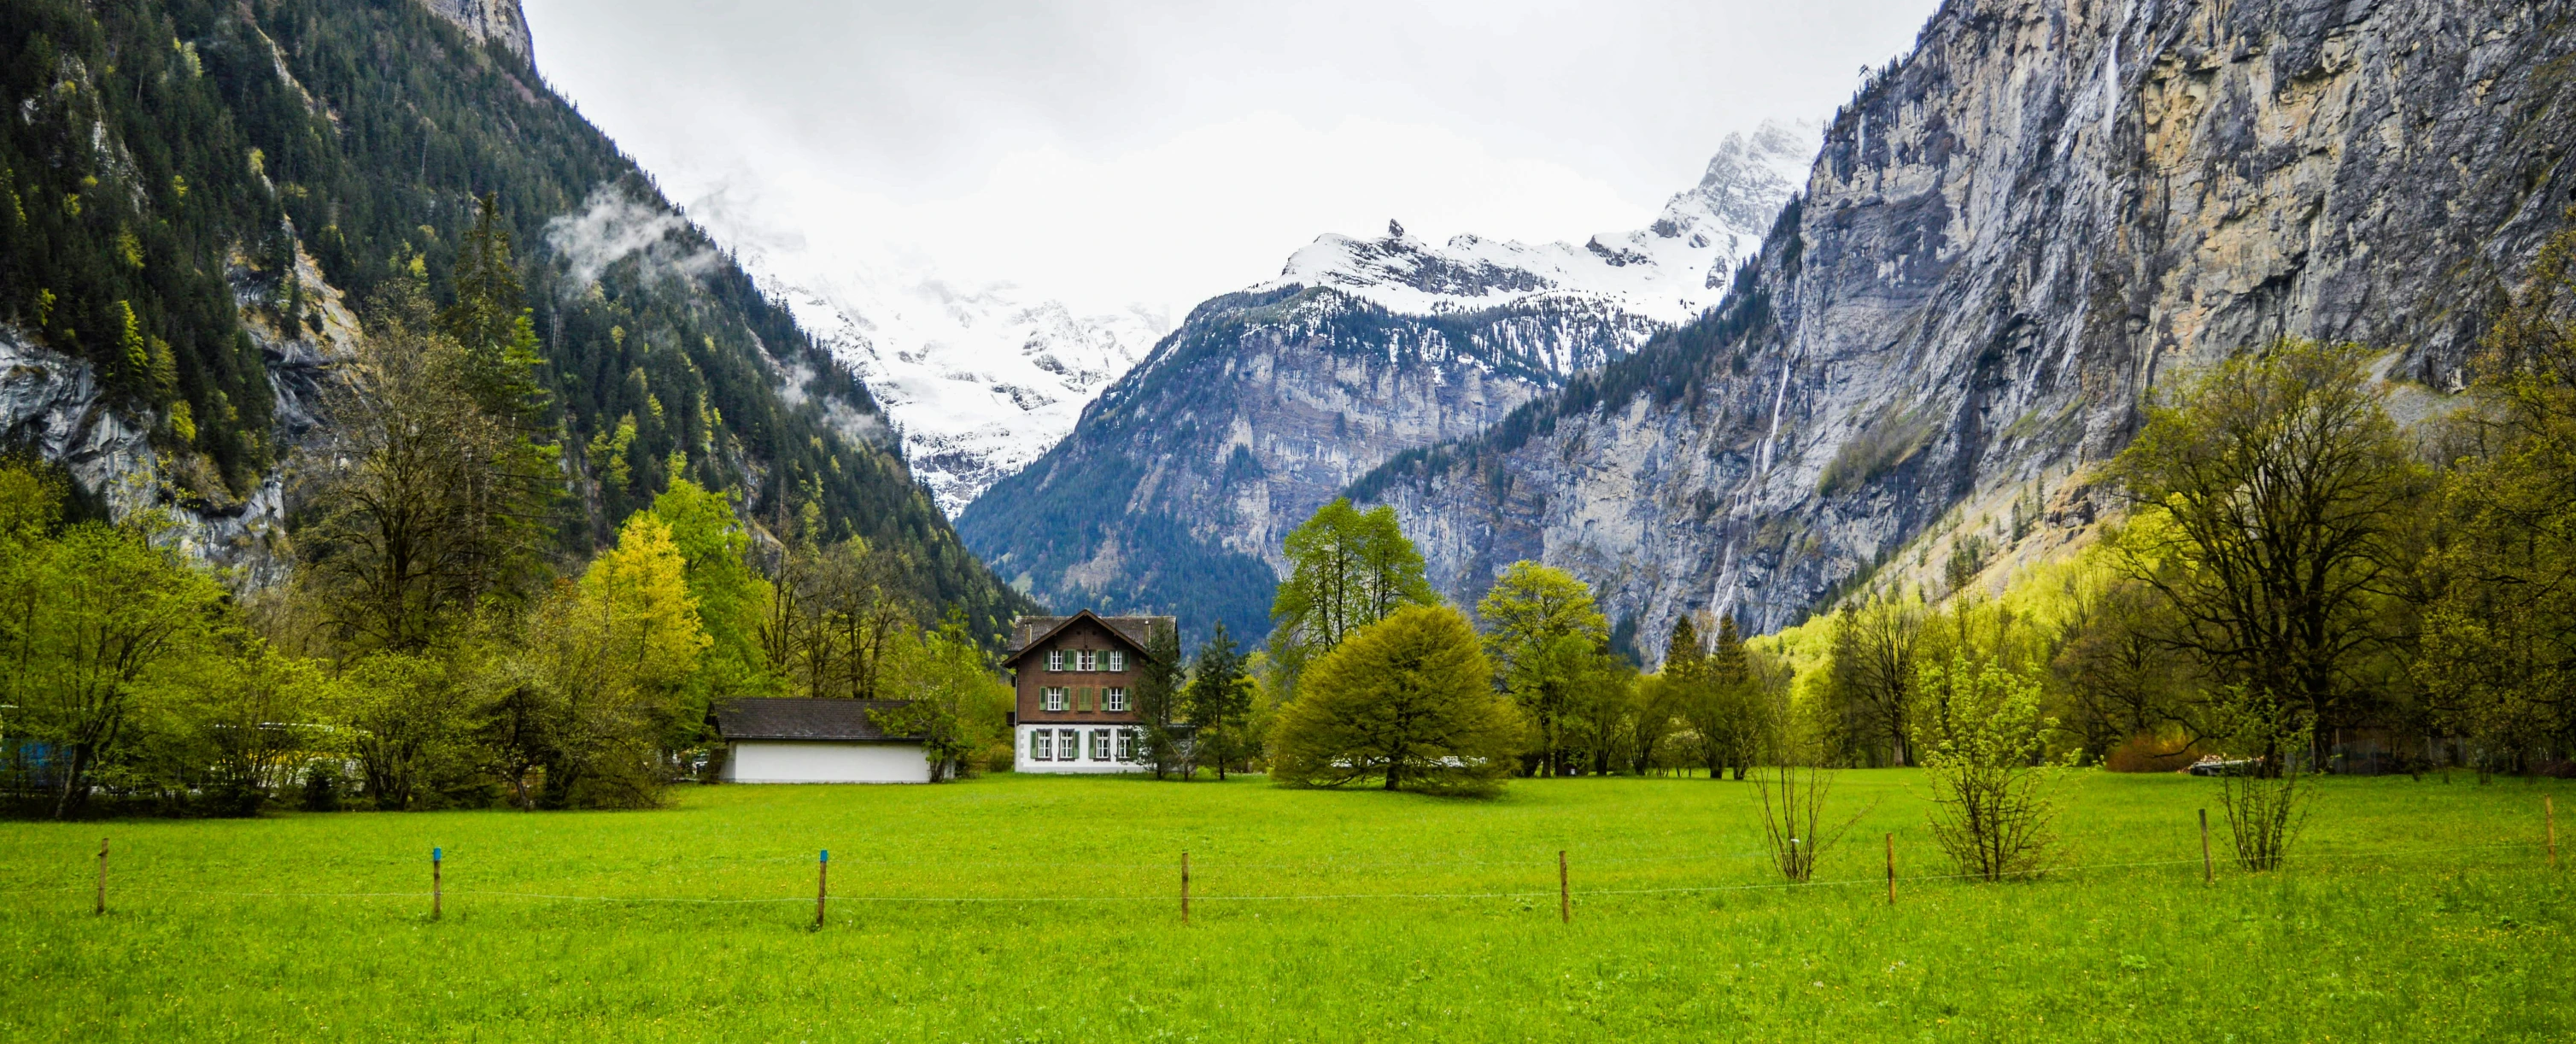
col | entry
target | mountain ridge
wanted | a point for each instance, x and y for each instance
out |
(1174, 490)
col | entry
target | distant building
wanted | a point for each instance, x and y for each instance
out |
(1075, 679)
(815, 741)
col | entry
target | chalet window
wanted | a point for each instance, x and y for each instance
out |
(1070, 742)
(1113, 699)
(1089, 660)
(1117, 660)
(1054, 698)
(1126, 744)
(1042, 745)
(1100, 744)
(1055, 659)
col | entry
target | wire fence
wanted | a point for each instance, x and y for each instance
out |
(2312, 861)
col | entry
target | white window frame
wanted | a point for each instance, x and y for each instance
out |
(1086, 660)
(1041, 744)
(1099, 749)
(1113, 700)
(1117, 659)
(1052, 698)
(1070, 741)
(1126, 744)
(1055, 659)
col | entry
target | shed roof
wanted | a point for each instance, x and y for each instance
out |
(800, 718)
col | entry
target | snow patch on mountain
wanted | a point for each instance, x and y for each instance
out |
(1668, 271)
(979, 379)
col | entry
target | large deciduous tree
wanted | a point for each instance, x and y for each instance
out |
(420, 504)
(2498, 662)
(1876, 641)
(1347, 569)
(2287, 492)
(1408, 701)
(953, 700)
(93, 614)
(1548, 642)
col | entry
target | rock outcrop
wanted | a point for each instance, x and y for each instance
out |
(1175, 489)
(488, 20)
(2012, 235)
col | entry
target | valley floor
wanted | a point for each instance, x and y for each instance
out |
(1046, 909)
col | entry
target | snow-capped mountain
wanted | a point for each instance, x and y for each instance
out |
(1175, 490)
(1668, 271)
(979, 379)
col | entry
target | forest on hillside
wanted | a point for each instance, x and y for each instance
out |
(198, 191)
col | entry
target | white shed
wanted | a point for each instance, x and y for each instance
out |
(815, 741)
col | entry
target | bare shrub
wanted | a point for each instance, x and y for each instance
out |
(1794, 821)
(2265, 807)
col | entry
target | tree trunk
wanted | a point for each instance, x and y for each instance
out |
(71, 780)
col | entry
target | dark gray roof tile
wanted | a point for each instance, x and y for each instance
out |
(802, 719)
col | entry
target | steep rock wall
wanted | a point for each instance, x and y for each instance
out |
(2010, 237)
(1181, 480)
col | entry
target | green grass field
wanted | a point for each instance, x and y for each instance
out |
(2415, 911)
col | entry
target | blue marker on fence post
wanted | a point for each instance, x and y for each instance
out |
(822, 882)
(437, 892)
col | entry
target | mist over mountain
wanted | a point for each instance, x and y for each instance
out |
(206, 194)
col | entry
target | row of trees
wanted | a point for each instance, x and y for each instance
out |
(2293, 555)
(431, 650)
(1372, 678)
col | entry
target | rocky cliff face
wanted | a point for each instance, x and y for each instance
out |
(54, 406)
(493, 20)
(2010, 237)
(1175, 489)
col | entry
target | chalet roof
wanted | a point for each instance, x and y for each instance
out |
(765, 718)
(1028, 632)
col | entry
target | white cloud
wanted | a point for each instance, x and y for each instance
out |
(613, 226)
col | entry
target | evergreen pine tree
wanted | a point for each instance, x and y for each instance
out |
(1219, 702)
(489, 319)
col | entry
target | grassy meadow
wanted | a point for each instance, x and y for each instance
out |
(1016, 908)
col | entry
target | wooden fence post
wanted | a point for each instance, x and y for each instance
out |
(1564, 894)
(100, 907)
(1891, 868)
(822, 885)
(437, 885)
(2208, 870)
(1185, 886)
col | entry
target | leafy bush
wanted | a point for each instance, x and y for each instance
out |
(1408, 700)
(1976, 729)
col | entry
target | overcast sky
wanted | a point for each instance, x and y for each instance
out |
(1119, 151)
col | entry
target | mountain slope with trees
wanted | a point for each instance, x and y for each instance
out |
(198, 191)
